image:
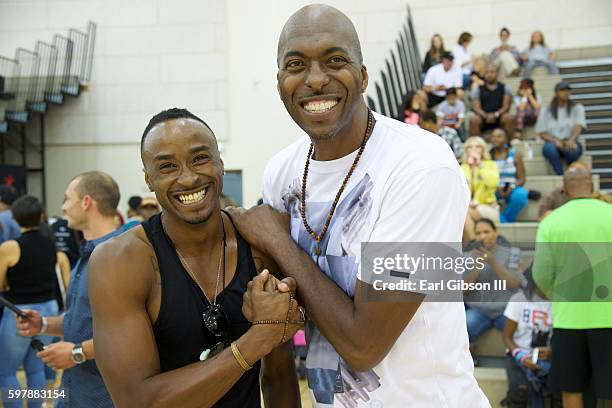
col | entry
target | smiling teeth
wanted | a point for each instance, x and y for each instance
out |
(189, 199)
(320, 106)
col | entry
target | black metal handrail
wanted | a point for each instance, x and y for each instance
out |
(401, 73)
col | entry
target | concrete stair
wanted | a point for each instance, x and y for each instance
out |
(493, 383)
(541, 166)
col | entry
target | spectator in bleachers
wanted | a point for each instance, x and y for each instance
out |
(451, 112)
(133, 213)
(510, 193)
(27, 268)
(485, 309)
(439, 78)
(478, 73)
(9, 229)
(506, 56)
(450, 135)
(434, 54)
(463, 58)
(560, 125)
(572, 267)
(528, 103)
(538, 54)
(149, 207)
(527, 332)
(491, 105)
(412, 107)
(483, 178)
(557, 197)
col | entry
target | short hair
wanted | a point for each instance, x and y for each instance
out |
(134, 202)
(102, 188)
(464, 37)
(451, 91)
(428, 116)
(27, 211)
(7, 194)
(485, 221)
(169, 114)
(504, 29)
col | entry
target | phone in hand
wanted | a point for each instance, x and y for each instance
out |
(37, 345)
(14, 308)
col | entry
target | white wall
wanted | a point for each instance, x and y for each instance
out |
(150, 55)
(218, 58)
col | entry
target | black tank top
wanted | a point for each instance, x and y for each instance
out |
(179, 331)
(492, 100)
(33, 278)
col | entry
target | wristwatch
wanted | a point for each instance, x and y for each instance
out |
(78, 356)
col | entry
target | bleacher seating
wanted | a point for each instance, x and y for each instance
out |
(596, 72)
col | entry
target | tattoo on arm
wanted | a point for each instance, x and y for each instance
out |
(156, 273)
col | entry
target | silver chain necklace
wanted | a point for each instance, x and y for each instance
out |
(192, 275)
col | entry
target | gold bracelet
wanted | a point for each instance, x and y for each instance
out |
(245, 366)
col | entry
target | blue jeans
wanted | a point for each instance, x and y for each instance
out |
(478, 323)
(551, 66)
(554, 155)
(16, 351)
(516, 201)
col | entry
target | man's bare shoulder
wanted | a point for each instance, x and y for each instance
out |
(123, 260)
(132, 245)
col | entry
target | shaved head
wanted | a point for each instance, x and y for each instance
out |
(318, 18)
(577, 182)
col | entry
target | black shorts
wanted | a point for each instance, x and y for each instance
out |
(490, 126)
(580, 357)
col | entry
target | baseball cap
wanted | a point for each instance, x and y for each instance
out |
(448, 55)
(562, 85)
(149, 201)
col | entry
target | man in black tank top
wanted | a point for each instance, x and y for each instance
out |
(167, 295)
(491, 105)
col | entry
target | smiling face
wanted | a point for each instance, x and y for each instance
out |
(183, 167)
(486, 234)
(498, 138)
(321, 78)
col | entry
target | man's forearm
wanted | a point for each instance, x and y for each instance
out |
(199, 384)
(327, 305)
(346, 323)
(88, 349)
(279, 383)
(54, 325)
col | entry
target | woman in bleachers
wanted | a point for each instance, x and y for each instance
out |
(463, 58)
(413, 106)
(478, 73)
(485, 308)
(510, 193)
(483, 177)
(27, 269)
(527, 331)
(528, 103)
(560, 125)
(434, 54)
(538, 55)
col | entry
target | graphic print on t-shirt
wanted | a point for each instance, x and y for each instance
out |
(329, 377)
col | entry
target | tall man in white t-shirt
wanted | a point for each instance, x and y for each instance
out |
(360, 177)
(441, 77)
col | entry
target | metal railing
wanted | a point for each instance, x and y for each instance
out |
(400, 75)
(34, 78)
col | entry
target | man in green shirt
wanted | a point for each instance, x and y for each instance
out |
(573, 267)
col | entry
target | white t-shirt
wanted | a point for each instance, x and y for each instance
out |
(462, 55)
(436, 75)
(531, 317)
(406, 187)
